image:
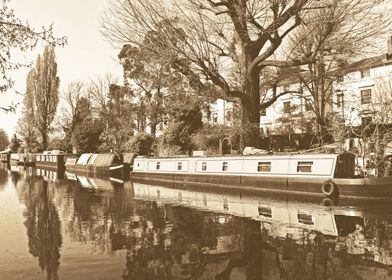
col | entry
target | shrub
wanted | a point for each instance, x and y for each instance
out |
(141, 144)
(208, 137)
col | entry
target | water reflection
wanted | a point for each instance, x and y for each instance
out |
(156, 232)
(3, 178)
(42, 224)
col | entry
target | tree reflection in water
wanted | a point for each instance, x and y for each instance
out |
(43, 225)
(3, 178)
(167, 241)
(180, 243)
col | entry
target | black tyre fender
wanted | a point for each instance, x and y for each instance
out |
(329, 188)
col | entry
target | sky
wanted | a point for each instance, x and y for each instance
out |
(86, 55)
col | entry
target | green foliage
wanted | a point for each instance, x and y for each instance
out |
(4, 141)
(151, 77)
(208, 137)
(85, 130)
(86, 135)
(186, 119)
(15, 143)
(141, 144)
(118, 110)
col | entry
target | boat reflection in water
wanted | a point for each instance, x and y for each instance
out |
(99, 228)
(95, 183)
(297, 237)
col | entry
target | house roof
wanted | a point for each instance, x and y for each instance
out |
(369, 62)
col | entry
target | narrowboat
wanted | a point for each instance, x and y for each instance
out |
(96, 165)
(5, 156)
(324, 175)
(27, 159)
(15, 158)
(51, 160)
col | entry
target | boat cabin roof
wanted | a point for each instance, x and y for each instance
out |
(273, 156)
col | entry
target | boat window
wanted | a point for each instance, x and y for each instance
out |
(265, 212)
(158, 165)
(304, 166)
(305, 218)
(264, 166)
(225, 204)
(225, 166)
(179, 166)
(204, 166)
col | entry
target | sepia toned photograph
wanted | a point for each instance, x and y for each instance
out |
(195, 139)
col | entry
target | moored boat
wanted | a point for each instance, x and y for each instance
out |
(27, 159)
(5, 156)
(96, 164)
(301, 174)
(51, 160)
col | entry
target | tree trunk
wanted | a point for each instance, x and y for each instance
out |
(44, 144)
(250, 119)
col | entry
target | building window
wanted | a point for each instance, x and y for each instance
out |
(366, 120)
(340, 79)
(158, 165)
(304, 166)
(225, 166)
(264, 166)
(365, 72)
(204, 166)
(308, 105)
(229, 116)
(305, 218)
(179, 166)
(263, 112)
(339, 100)
(265, 211)
(215, 117)
(286, 107)
(366, 96)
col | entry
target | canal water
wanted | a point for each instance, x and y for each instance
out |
(94, 228)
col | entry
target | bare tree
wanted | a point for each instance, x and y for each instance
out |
(218, 45)
(16, 34)
(335, 36)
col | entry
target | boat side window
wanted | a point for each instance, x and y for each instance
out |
(265, 211)
(203, 166)
(305, 218)
(179, 165)
(304, 166)
(158, 165)
(225, 166)
(264, 166)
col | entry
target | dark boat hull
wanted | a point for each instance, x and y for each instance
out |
(116, 171)
(368, 188)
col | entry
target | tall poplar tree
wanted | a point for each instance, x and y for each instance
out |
(26, 127)
(45, 91)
